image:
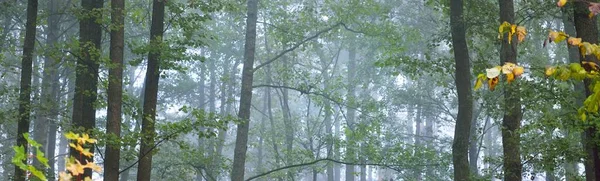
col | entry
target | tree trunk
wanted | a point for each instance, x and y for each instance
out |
(460, 145)
(337, 173)
(144, 171)
(289, 131)
(473, 146)
(350, 114)
(53, 85)
(570, 166)
(418, 144)
(587, 30)
(86, 78)
(25, 87)
(115, 93)
(241, 141)
(511, 121)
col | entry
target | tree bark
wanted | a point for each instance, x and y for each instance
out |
(115, 92)
(144, 171)
(462, 128)
(25, 86)
(587, 30)
(86, 77)
(241, 141)
(511, 121)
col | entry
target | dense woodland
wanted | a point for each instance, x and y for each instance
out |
(367, 90)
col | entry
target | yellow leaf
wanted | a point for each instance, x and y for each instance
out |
(64, 176)
(561, 3)
(521, 33)
(503, 28)
(87, 179)
(510, 77)
(493, 72)
(518, 71)
(557, 37)
(508, 67)
(86, 152)
(93, 166)
(478, 83)
(75, 168)
(574, 41)
(550, 71)
(590, 66)
(71, 136)
(492, 83)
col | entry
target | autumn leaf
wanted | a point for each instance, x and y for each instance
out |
(574, 41)
(586, 48)
(550, 71)
(561, 3)
(594, 9)
(492, 83)
(64, 176)
(590, 66)
(510, 77)
(557, 37)
(493, 72)
(518, 71)
(93, 166)
(479, 81)
(521, 33)
(508, 67)
(75, 168)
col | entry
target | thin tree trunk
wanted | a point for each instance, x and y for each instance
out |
(473, 146)
(53, 111)
(115, 92)
(350, 114)
(460, 145)
(511, 122)
(144, 171)
(418, 144)
(241, 141)
(25, 87)
(570, 166)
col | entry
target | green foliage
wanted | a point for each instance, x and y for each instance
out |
(20, 158)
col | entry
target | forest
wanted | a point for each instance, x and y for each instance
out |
(306, 90)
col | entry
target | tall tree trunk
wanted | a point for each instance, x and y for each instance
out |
(351, 114)
(115, 92)
(241, 141)
(337, 173)
(25, 87)
(570, 166)
(144, 171)
(473, 146)
(418, 138)
(511, 122)
(289, 131)
(587, 30)
(460, 144)
(86, 78)
(46, 120)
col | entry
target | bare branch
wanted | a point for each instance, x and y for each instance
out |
(296, 46)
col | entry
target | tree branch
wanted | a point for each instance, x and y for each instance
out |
(296, 46)
(326, 159)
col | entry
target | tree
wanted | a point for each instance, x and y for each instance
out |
(587, 29)
(512, 114)
(86, 76)
(115, 92)
(25, 87)
(241, 139)
(151, 91)
(460, 145)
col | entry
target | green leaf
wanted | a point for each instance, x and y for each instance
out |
(37, 173)
(40, 156)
